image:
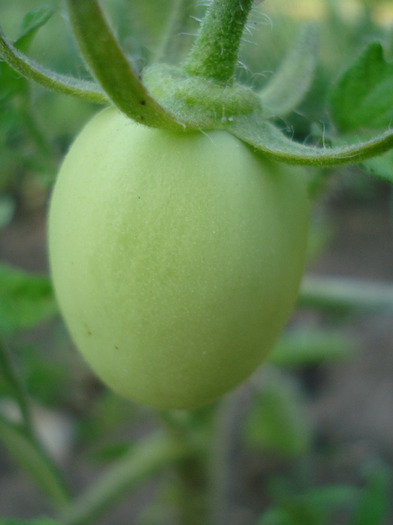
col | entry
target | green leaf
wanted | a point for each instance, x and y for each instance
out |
(375, 500)
(363, 95)
(277, 421)
(32, 22)
(25, 300)
(31, 459)
(288, 86)
(305, 347)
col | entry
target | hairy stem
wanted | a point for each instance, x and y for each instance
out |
(214, 55)
(83, 89)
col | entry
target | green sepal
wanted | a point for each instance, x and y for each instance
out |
(200, 103)
(64, 84)
(267, 138)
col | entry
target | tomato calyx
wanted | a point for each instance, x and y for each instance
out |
(199, 102)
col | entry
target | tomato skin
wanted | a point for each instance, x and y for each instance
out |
(176, 257)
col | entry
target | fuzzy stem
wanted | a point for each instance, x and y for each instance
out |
(214, 55)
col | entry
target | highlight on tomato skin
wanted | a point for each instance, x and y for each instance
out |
(176, 257)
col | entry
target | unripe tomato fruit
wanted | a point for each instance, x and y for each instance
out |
(176, 257)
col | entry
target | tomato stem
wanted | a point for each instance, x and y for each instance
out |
(214, 55)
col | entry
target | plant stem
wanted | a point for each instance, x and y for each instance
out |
(143, 460)
(189, 481)
(16, 387)
(31, 456)
(225, 444)
(214, 55)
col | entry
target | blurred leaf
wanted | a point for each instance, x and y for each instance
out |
(14, 386)
(363, 96)
(7, 208)
(25, 300)
(296, 515)
(330, 497)
(291, 82)
(321, 231)
(45, 378)
(12, 83)
(343, 295)
(160, 29)
(275, 516)
(305, 347)
(39, 521)
(278, 421)
(31, 459)
(381, 166)
(109, 452)
(375, 499)
(311, 507)
(109, 413)
(32, 22)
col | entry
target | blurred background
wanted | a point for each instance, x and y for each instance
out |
(310, 436)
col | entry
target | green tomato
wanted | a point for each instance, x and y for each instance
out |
(176, 257)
